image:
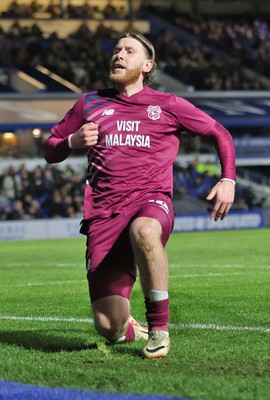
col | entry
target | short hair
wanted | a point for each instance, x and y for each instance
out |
(150, 52)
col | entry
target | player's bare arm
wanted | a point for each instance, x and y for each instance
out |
(85, 136)
(224, 192)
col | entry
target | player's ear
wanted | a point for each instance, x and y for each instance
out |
(148, 65)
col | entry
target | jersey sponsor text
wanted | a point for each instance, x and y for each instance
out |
(128, 126)
(128, 140)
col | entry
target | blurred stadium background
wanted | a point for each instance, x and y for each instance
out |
(214, 53)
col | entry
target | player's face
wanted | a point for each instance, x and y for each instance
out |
(129, 61)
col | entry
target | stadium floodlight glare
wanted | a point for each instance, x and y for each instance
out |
(8, 135)
(36, 132)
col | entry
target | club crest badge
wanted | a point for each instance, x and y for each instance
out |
(154, 112)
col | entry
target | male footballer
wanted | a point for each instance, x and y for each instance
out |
(131, 133)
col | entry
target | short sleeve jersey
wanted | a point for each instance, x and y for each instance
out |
(138, 143)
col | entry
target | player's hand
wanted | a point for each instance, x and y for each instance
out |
(86, 136)
(224, 192)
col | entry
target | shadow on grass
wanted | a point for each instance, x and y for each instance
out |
(39, 340)
(127, 349)
(53, 343)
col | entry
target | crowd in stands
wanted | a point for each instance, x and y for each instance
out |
(222, 47)
(79, 58)
(53, 192)
(43, 192)
(200, 67)
(83, 56)
(243, 39)
(56, 9)
(197, 179)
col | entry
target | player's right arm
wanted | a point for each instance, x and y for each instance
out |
(86, 136)
(69, 134)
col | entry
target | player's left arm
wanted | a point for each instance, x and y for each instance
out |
(198, 122)
(224, 190)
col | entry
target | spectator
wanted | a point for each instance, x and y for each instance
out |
(54, 9)
(251, 199)
(9, 184)
(35, 211)
(110, 12)
(55, 205)
(16, 212)
(4, 202)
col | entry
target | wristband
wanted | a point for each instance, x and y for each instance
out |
(229, 180)
(69, 140)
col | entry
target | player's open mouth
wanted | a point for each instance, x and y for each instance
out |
(117, 67)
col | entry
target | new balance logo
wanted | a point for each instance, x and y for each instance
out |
(110, 111)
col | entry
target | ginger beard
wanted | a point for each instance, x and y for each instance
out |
(128, 78)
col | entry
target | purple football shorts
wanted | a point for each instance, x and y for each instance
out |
(110, 262)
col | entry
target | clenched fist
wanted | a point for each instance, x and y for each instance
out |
(86, 136)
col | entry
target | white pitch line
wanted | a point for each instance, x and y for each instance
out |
(31, 284)
(206, 275)
(43, 283)
(222, 327)
(46, 319)
(176, 326)
(218, 266)
(59, 265)
(172, 265)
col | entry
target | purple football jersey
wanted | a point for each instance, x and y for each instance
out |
(138, 143)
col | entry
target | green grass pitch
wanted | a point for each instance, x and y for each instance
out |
(220, 320)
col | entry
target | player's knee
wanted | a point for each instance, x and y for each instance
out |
(111, 316)
(110, 329)
(145, 231)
